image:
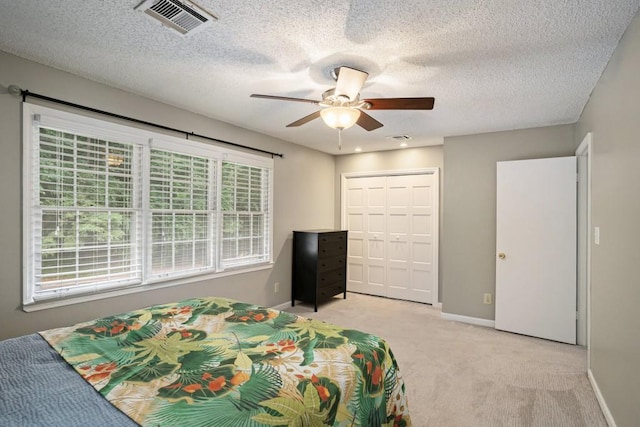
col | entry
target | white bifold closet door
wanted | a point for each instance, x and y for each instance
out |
(393, 229)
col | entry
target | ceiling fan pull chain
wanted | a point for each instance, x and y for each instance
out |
(339, 139)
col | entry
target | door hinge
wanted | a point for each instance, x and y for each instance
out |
(577, 177)
(577, 315)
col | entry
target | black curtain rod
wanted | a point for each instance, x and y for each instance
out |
(26, 93)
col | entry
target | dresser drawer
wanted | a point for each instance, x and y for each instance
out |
(327, 278)
(325, 264)
(326, 238)
(329, 291)
(332, 249)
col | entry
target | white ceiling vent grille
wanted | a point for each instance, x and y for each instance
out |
(400, 137)
(177, 15)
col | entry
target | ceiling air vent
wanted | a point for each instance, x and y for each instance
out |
(177, 15)
(400, 137)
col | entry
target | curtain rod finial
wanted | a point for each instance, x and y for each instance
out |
(15, 90)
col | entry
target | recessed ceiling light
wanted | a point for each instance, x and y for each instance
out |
(358, 149)
(403, 145)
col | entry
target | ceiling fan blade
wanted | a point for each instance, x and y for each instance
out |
(367, 122)
(304, 120)
(350, 81)
(401, 103)
(284, 98)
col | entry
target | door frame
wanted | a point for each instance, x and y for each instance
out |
(585, 149)
(436, 238)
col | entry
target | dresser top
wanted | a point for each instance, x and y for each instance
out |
(324, 230)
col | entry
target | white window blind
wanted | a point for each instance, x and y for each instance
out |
(245, 214)
(87, 212)
(182, 213)
(108, 207)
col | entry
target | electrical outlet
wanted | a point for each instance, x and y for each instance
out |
(276, 287)
(487, 299)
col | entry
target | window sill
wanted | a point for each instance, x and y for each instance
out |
(77, 299)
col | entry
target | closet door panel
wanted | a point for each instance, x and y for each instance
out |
(355, 217)
(399, 236)
(423, 238)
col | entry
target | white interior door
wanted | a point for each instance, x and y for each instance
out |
(393, 247)
(399, 236)
(410, 200)
(375, 236)
(353, 198)
(366, 269)
(536, 245)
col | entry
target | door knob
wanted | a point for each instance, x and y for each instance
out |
(501, 255)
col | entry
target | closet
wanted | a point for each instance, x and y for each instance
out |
(392, 219)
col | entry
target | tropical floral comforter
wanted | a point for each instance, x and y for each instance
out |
(219, 362)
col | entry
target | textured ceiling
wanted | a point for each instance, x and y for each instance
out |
(490, 64)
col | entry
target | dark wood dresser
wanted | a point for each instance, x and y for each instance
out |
(319, 265)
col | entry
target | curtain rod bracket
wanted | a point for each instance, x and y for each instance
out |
(15, 90)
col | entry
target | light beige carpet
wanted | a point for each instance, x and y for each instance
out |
(458, 374)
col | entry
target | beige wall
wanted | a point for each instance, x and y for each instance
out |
(469, 243)
(613, 115)
(408, 158)
(298, 203)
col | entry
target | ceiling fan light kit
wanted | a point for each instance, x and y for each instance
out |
(340, 117)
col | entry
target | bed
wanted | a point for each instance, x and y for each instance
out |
(201, 362)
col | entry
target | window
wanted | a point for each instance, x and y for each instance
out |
(108, 207)
(182, 213)
(245, 213)
(87, 214)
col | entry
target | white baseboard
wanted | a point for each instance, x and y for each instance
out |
(603, 405)
(466, 319)
(282, 306)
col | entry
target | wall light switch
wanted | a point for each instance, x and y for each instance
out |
(596, 235)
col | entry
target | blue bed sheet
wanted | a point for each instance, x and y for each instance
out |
(38, 388)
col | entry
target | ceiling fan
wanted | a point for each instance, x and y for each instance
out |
(343, 108)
